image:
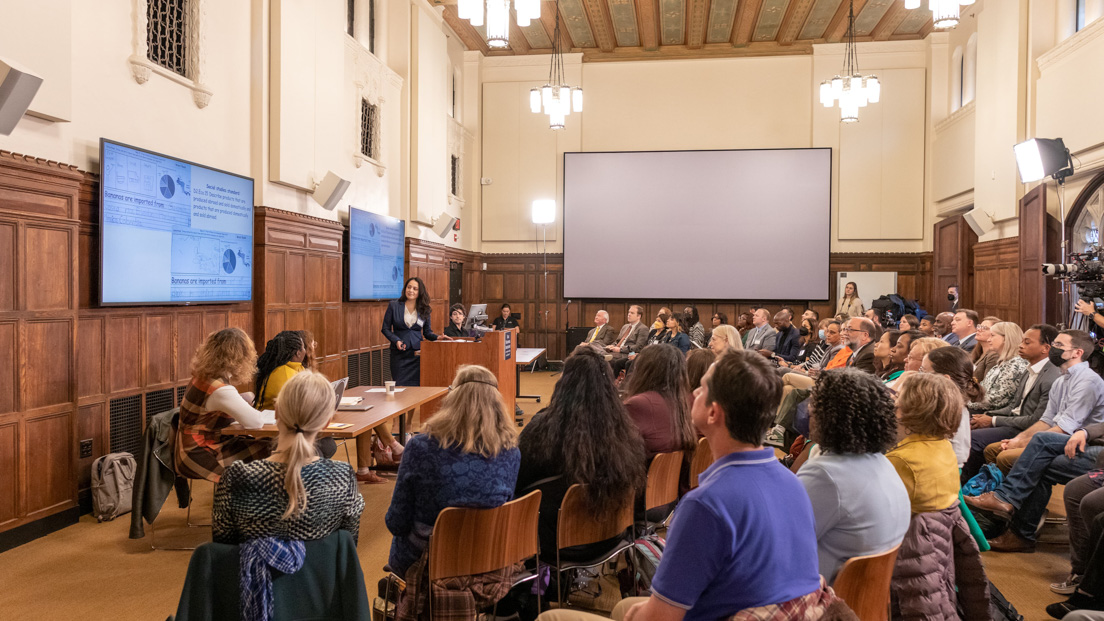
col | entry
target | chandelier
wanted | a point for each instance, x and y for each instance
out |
(944, 12)
(497, 14)
(557, 98)
(851, 89)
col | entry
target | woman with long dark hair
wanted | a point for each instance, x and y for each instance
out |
(954, 363)
(676, 333)
(282, 358)
(605, 451)
(406, 325)
(696, 331)
(658, 401)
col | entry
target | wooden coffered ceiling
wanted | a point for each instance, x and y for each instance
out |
(655, 29)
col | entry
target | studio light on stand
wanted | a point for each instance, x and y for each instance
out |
(1037, 159)
(544, 213)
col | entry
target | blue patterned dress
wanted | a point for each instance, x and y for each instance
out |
(432, 478)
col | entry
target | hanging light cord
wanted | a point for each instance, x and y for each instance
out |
(556, 70)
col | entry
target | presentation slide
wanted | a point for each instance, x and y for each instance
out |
(173, 232)
(698, 225)
(376, 252)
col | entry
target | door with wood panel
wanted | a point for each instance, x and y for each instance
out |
(952, 263)
(1039, 243)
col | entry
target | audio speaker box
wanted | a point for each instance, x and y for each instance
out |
(979, 221)
(330, 191)
(444, 224)
(17, 89)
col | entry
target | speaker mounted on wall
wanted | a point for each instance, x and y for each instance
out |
(979, 221)
(17, 89)
(329, 192)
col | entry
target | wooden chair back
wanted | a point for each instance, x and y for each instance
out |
(663, 480)
(475, 541)
(578, 526)
(863, 583)
(702, 459)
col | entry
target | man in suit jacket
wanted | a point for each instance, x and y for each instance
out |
(632, 338)
(1032, 396)
(788, 339)
(964, 326)
(943, 328)
(762, 336)
(859, 335)
(601, 334)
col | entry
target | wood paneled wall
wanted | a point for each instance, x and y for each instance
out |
(997, 279)
(953, 261)
(38, 332)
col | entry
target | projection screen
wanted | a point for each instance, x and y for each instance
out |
(696, 225)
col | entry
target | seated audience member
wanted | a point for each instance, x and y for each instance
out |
(982, 357)
(908, 322)
(787, 339)
(724, 339)
(719, 319)
(606, 451)
(812, 349)
(1027, 405)
(860, 335)
(659, 326)
(474, 434)
(927, 325)
(761, 336)
(697, 363)
(676, 333)
(744, 323)
(875, 318)
(885, 366)
(918, 349)
(281, 360)
(455, 327)
(954, 364)
(964, 327)
(899, 352)
(943, 328)
(839, 352)
(849, 302)
(658, 402)
(293, 494)
(1050, 456)
(811, 315)
(601, 334)
(1003, 378)
(632, 338)
(938, 568)
(1084, 502)
(696, 331)
(860, 505)
(211, 403)
(745, 538)
(506, 321)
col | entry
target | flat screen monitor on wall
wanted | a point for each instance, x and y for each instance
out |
(377, 248)
(695, 225)
(172, 232)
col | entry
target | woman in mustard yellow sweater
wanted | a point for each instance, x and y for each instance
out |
(929, 408)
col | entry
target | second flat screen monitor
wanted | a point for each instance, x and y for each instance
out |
(376, 252)
(693, 225)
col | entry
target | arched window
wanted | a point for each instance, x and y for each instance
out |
(956, 79)
(969, 70)
(1086, 230)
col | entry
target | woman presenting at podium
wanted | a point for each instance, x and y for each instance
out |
(406, 324)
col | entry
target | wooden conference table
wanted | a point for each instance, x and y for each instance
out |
(384, 408)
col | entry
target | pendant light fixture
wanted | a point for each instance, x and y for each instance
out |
(851, 90)
(496, 15)
(945, 13)
(556, 97)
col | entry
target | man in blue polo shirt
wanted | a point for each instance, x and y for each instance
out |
(745, 537)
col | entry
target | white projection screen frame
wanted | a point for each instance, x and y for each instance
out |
(698, 225)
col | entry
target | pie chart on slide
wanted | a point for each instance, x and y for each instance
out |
(168, 188)
(229, 261)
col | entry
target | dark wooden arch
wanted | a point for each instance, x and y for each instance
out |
(1080, 202)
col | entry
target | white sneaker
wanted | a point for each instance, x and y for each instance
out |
(1068, 587)
(776, 437)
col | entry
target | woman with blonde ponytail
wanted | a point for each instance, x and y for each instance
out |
(294, 494)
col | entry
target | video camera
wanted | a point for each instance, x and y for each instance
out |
(1086, 272)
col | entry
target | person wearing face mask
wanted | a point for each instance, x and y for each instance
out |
(952, 297)
(659, 326)
(812, 347)
(1056, 449)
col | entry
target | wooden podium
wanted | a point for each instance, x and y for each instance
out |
(497, 351)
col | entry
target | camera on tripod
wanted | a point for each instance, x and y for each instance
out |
(1086, 272)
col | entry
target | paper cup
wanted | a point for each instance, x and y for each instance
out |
(390, 386)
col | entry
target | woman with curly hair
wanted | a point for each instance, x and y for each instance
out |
(860, 505)
(211, 403)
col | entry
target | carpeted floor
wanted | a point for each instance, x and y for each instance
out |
(93, 571)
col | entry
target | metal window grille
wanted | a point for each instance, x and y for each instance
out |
(381, 366)
(369, 129)
(180, 390)
(166, 34)
(125, 416)
(353, 370)
(159, 401)
(455, 176)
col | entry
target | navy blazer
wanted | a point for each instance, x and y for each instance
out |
(680, 340)
(788, 344)
(394, 328)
